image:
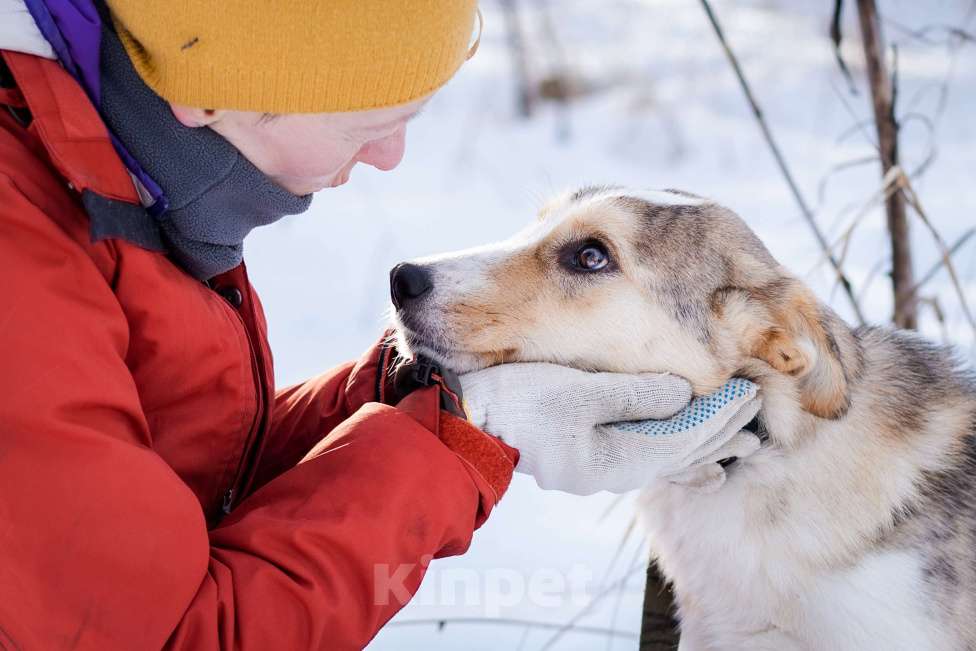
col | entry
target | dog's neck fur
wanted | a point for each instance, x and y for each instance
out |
(877, 452)
(823, 496)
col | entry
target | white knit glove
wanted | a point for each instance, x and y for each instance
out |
(583, 432)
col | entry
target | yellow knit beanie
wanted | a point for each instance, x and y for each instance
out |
(294, 56)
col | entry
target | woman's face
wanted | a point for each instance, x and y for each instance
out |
(306, 152)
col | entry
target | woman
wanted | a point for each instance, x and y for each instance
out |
(155, 490)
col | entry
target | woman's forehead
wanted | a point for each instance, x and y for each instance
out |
(381, 118)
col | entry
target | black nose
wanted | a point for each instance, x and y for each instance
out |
(408, 282)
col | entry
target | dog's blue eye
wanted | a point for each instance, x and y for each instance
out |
(592, 257)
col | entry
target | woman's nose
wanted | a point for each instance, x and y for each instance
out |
(386, 153)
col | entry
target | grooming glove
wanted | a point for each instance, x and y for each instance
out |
(583, 432)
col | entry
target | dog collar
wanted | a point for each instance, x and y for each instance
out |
(756, 428)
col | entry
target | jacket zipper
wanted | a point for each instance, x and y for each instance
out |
(250, 443)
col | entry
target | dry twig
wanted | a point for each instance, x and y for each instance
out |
(441, 623)
(600, 596)
(883, 95)
(781, 161)
(930, 274)
(909, 192)
(520, 59)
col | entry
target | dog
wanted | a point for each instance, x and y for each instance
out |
(852, 527)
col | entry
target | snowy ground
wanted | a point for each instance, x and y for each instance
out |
(670, 116)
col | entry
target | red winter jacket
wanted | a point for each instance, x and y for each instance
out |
(136, 403)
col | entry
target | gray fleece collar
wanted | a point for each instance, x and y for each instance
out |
(216, 196)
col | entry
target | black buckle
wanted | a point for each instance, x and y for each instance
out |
(414, 374)
(756, 428)
(425, 372)
(424, 369)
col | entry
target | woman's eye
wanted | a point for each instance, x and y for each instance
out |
(592, 257)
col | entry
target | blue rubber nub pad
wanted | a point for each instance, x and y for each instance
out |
(695, 414)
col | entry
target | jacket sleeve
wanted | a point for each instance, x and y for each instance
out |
(102, 546)
(306, 412)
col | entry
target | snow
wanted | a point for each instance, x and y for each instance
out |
(668, 115)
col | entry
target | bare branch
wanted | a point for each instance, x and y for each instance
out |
(836, 37)
(836, 169)
(872, 274)
(562, 82)
(511, 621)
(933, 151)
(930, 274)
(884, 90)
(909, 192)
(638, 550)
(600, 596)
(924, 34)
(520, 60)
(860, 125)
(888, 187)
(781, 162)
(933, 302)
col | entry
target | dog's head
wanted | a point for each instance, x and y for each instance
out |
(615, 280)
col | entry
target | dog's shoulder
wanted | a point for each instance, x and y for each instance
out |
(929, 388)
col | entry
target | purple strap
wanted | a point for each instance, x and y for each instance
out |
(74, 30)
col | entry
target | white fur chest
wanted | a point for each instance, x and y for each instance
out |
(775, 561)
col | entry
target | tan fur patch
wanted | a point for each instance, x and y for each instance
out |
(780, 351)
(798, 346)
(487, 322)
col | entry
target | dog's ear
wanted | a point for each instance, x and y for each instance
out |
(796, 340)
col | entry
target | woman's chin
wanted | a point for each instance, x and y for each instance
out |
(340, 179)
(302, 186)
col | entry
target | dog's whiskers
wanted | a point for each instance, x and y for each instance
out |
(488, 312)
